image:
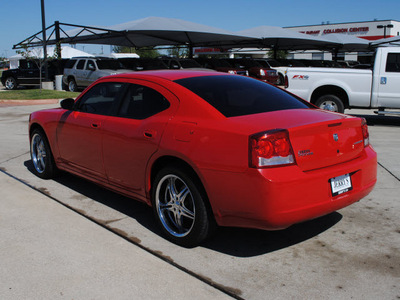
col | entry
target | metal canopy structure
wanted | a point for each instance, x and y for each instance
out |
(285, 39)
(151, 31)
(157, 31)
(393, 41)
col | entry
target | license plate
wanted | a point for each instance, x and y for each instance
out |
(341, 184)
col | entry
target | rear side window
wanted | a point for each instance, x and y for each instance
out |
(238, 95)
(141, 102)
(81, 64)
(393, 63)
(70, 64)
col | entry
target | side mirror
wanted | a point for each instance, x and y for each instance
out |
(67, 104)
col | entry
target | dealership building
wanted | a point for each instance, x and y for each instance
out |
(371, 31)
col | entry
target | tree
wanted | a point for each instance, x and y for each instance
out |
(179, 52)
(144, 52)
(280, 54)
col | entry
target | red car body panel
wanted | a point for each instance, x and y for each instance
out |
(120, 153)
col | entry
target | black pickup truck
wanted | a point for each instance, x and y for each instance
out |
(28, 74)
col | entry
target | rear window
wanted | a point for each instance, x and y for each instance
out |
(238, 95)
(70, 64)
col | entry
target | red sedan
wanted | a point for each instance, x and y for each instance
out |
(206, 149)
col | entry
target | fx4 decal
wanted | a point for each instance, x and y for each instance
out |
(301, 77)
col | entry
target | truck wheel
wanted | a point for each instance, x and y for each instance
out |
(72, 85)
(281, 79)
(11, 83)
(331, 103)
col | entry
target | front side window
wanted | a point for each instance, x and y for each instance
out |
(393, 63)
(99, 99)
(90, 65)
(141, 102)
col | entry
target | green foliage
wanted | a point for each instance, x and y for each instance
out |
(179, 52)
(280, 54)
(144, 52)
(34, 94)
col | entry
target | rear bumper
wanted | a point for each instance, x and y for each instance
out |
(276, 198)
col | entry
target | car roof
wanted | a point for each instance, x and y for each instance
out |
(169, 74)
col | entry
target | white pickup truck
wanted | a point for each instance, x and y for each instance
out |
(336, 89)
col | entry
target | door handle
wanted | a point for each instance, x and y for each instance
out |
(149, 133)
(95, 125)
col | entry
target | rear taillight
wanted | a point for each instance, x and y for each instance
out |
(364, 128)
(270, 149)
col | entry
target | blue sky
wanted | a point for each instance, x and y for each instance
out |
(22, 18)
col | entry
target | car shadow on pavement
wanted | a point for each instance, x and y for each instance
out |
(380, 120)
(240, 242)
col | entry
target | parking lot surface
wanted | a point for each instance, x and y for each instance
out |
(69, 237)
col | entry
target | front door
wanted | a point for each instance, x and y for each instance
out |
(389, 82)
(80, 132)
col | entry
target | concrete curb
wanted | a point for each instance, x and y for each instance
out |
(27, 102)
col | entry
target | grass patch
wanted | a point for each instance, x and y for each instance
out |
(35, 94)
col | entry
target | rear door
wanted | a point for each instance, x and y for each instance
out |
(79, 71)
(133, 136)
(79, 133)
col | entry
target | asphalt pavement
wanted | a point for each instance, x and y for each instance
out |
(70, 239)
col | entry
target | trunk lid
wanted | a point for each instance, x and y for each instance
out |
(319, 138)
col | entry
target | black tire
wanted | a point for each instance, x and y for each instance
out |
(281, 79)
(72, 87)
(180, 207)
(331, 103)
(10, 83)
(41, 156)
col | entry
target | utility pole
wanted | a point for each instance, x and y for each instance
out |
(46, 75)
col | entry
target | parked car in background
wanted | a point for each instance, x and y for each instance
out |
(275, 65)
(255, 69)
(28, 73)
(221, 65)
(80, 72)
(5, 65)
(143, 64)
(206, 148)
(182, 63)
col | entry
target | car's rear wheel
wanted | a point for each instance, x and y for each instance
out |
(180, 207)
(331, 103)
(42, 158)
(72, 87)
(11, 83)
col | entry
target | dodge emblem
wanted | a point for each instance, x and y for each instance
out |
(335, 137)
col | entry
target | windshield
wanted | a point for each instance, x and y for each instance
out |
(189, 63)
(238, 95)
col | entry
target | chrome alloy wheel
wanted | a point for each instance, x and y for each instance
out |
(38, 152)
(329, 105)
(175, 205)
(10, 83)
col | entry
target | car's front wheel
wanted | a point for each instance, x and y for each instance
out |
(42, 158)
(11, 83)
(180, 207)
